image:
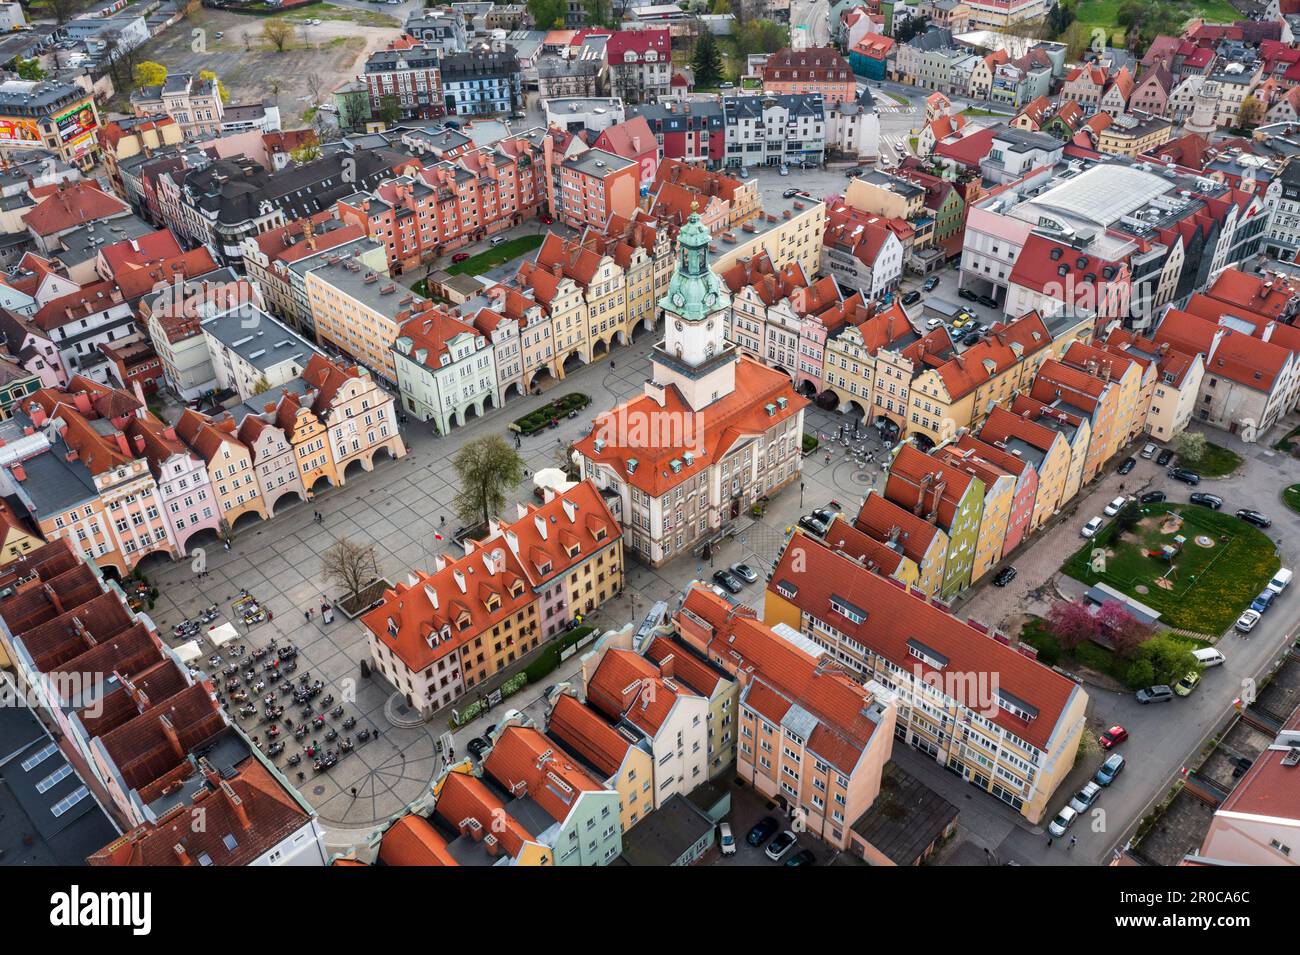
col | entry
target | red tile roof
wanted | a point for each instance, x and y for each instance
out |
(627, 686)
(464, 797)
(883, 520)
(412, 841)
(526, 763)
(588, 734)
(896, 620)
(71, 205)
(922, 484)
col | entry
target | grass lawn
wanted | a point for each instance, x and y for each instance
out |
(496, 255)
(976, 111)
(1105, 13)
(1211, 585)
(1288, 440)
(1217, 461)
(1292, 497)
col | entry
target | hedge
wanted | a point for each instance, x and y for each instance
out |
(541, 417)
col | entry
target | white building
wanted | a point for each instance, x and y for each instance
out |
(252, 352)
(445, 369)
(767, 130)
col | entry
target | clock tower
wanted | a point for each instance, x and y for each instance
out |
(694, 354)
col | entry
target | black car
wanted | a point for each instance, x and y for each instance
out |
(931, 283)
(967, 294)
(762, 831)
(802, 857)
(1212, 501)
(477, 746)
(911, 298)
(1186, 475)
(972, 339)
(988, 301)
(856, 171)
(812, 525)
(728, 581)
(1004, 577)
(1152, 497)
(1128, 465)
(1164, 457)
(1254, 517)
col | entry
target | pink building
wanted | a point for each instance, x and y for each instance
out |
(188, 499)
(1026, 489)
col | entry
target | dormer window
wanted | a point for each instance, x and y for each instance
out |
(571, 550)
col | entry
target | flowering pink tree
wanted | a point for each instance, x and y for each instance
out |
(1071, 624)
(1124, 632)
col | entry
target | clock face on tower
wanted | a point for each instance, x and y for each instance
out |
(679, 299)
(710, 299)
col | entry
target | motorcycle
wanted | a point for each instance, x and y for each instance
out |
(275, 749)
(350, 722)
(337, 711)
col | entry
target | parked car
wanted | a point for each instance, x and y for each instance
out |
(1085, 797)
(728, 85)
(726, 841)
(785, 170)
(1115, 506)
(1212, 501)
(1281, 580)
(762, 831)
(218, 34)
(545, 218)
(1149, 451)
(460, 257)
(1108, 770)
(972, 338)
(1254, 517)
(744, 572)
(911, 298)
(496, 240)
(931, 283)
(1188, 683)
(1263, 601)
(968, 295)
(1186, 475)
(1246, 622)
(1004, 577)
(1063, 821)
(854, 172)
(1113, 737)
(1155, 694)
(961, 321)
(1092, 527)
(779, 846)
(790, 193)
(824, 514)
(1164, 457)
(934, 323)
(477, 746)
(802, 857)
(1128, 464)
(812, 525)
(1152, 497)
(1207, 657)
(728, 581)
(988, 301)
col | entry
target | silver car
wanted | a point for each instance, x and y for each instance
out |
(1085, 797)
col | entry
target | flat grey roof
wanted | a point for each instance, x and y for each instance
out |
(907, 817)
(259, 339)
(368, 286)
(590, 162)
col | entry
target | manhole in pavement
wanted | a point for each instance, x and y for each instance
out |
(318, 790)
(1142, 589)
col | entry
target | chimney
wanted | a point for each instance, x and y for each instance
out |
(182, 857)
(667, 666)
(237, 806)
(19, 472)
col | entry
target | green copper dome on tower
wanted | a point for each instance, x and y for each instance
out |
(695, 291)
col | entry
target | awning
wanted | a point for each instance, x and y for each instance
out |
(220, 636)
(189, 651)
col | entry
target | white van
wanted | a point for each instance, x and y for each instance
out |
(1280, 580)
(1209, 657)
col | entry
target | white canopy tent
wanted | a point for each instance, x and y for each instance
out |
(189, 652)
(220, 636)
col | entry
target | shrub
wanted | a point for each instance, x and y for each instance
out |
(809, 444)
(1140, 673)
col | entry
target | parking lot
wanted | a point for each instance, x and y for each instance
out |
(747, 808)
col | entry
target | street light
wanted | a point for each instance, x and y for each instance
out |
(801, 486)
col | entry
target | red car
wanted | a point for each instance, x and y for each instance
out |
(545, 219)
(460, 257)
(1113, 737)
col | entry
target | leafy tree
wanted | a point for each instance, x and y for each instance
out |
(352, 567)
(720, 7)
(486, 467)
(63, 9)
(1129, 516)
(309, 150)
(1123, 631)
(278, 33)
(1140, 673)
(761, 36)
(389, 110)
(30, 69)
(707, 61)
(1060, 17)
(910, 28)
(597, 12)
(1169, 657)
(1251, 112)
(261, 385)
(1191, 446)
(1071, 624)
(150, 73)
(221, 87)
(548, 14)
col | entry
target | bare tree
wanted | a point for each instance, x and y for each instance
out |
(352, 567)
(278, 33)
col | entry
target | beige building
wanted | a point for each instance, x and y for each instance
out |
(360, 312)
(788, 230)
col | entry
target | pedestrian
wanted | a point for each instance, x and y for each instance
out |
(306, 615)
(1049, 842)
(611, 365)
(442, 520)
(1074, 841)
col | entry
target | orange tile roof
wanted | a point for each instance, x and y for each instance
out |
(543, 535)
(913, 482)
(628, 686)
(524, 762)
(464, 797)
(732, 418)
(1005, 346)
(71, 205)
(588, 734)
(884, 521)
(857, 544)
(896, 620)
(412, 841)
